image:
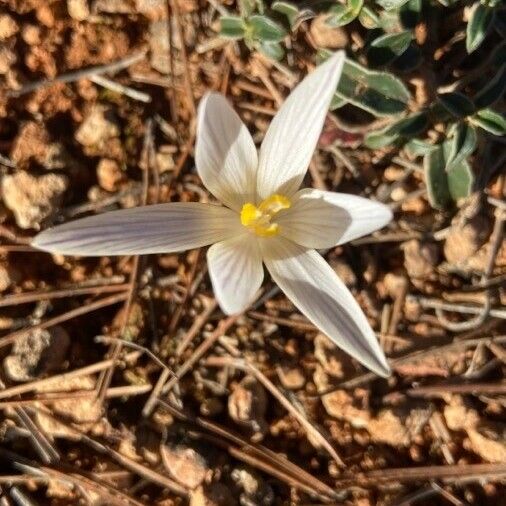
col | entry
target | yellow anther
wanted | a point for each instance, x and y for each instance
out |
(258, 219)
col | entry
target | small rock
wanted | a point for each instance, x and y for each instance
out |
(152, 9)
(165, 162)
(78, 9)
(33, 199)
(488, 444)
(109, 174)
(466, 236)
(255, 491)
(8, 276)
(420, 259)
(7, 59)
(329, 356)
(185, 465)
(327, 36)
(247, 405)
(159, 44)
(113, 6)
(458, 416)
(341, 405)
(99, 126)
(83, 410)
(31, 142)
(8, 27)
(31, 34)
(291, 378)
(389, 428)
(215, 494)
(36, 353)
(394, 284)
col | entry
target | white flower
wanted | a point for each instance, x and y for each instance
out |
(265, 219)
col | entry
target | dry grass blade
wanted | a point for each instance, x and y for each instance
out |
(272, 462)
(314, 435)
(51, 322)
(28, 297)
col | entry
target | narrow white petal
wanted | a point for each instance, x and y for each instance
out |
(314, 288)
(161, 228)
(225, 155)
(292, 136)
(320, 219)
(236, 271)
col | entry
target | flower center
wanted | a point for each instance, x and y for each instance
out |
(258, 219)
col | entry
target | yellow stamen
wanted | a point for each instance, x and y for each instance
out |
(258, 219)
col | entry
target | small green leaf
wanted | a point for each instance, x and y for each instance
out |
(368, 18)
(378, 140)
(341, 15)
(417, 147)
(480, 21)
(390, 5)
(272, 50)
(436, 178)
(461, 145)
(379, 93)
(405, 127)
(294, 15)
(265, 29)
(387, 48)
(290, 10)
(337, 102)
(456, 104)
(232, 27)
(493, 91)
(460, 180)
(490, 121)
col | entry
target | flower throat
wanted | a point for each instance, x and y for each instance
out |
(258, 218)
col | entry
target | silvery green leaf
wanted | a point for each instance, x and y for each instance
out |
(490, 121)
(493, 91)
(390, 5)
(461, 145)
(272, 50)
(294, 15)
(232, 27)
(460, 180)
(368, 18)
(387, 48)
(417, 147)
(379, 93)
(337, 102)
(265, 29)
(480, 22)
(405, 127)
(457, 104)
(341, 15)
(436, 178)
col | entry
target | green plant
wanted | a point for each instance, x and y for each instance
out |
(463, 111)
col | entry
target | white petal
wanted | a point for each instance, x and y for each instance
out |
(314, 288)
(320, 219)
(236, 271)
(161, 228)
(292, 136)
(225, 155)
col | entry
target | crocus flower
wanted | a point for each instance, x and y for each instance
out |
(264, 219)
